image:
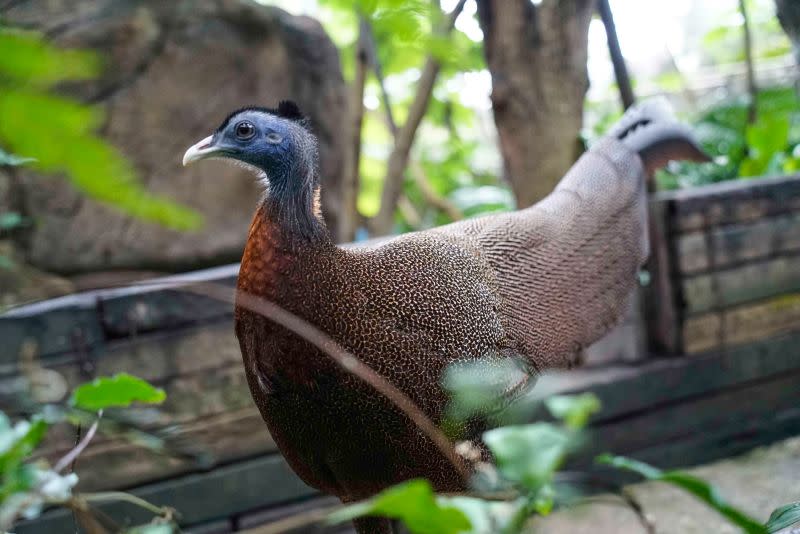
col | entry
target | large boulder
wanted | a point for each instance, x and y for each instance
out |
(174, 70)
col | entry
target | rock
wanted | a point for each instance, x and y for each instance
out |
(20, 283)
(174, 71)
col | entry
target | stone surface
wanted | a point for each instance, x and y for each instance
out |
(173, 71)
(757, 483)
(20, 283)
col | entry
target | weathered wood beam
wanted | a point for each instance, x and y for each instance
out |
(738, 243)
(742, 324)
(747, 283)
(731, 202)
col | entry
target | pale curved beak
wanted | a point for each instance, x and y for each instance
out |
(200, 150)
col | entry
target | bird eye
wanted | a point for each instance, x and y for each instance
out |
(274, 138)
(245, 130)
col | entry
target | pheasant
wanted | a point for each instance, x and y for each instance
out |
(538, 284)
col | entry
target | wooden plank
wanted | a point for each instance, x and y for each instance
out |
(738, 243)
(708, 446)
(53, 330)
(731, 202)
(703, 333)
(110, 312)
(181, 361)
(743, 324)
(726, 409)
(626, 390)
(699, 448)
(750, 282)
(662, 312)
(224, 492)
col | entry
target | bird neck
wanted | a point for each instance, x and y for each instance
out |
(273, 248)
(292, 203)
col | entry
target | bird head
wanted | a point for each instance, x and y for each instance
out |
(275, 141)
(278, 143)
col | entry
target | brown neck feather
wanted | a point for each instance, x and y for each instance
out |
(272, 246)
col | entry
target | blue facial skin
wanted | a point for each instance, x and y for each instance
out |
(258, 139)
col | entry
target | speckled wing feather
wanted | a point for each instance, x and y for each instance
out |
(566, 266)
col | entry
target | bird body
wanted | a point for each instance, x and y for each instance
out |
(537, 284)
(400, 308)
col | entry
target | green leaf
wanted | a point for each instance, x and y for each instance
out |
(19, 442)
(415, 504)
(16, 445)
(545, 500)
(118, 391)
(783, 517)
(766, 138)
(574, 410)
(701, 489)
(479, 388)
(26, 58)
(528, 454)
(486, 517)
(92, 165)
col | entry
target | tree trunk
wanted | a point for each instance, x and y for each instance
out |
(788, 12)
(537, 57)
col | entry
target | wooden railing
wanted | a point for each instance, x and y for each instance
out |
(726, 265)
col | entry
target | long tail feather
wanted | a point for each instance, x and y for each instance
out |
(651, 129)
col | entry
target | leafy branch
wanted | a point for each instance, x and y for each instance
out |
(398, 158)
(26, 486)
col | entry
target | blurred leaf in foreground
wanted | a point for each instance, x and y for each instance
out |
(529, 454)
(118, 391)
(784, 517)
(574, 410)
(415, 504)
(56, 134)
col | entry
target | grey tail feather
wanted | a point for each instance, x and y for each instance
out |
(651, 129)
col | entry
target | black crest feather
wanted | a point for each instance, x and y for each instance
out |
(286, 109)
(289, 110)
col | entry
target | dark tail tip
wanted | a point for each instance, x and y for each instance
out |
(651, 129)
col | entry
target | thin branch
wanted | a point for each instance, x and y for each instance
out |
(617, 59)
(377, 68)
(121, 496)
(752, 89)
(430, 194)
(398, 159)
(78, 449)
(409, 212)
(348, 217)
(338, 355)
